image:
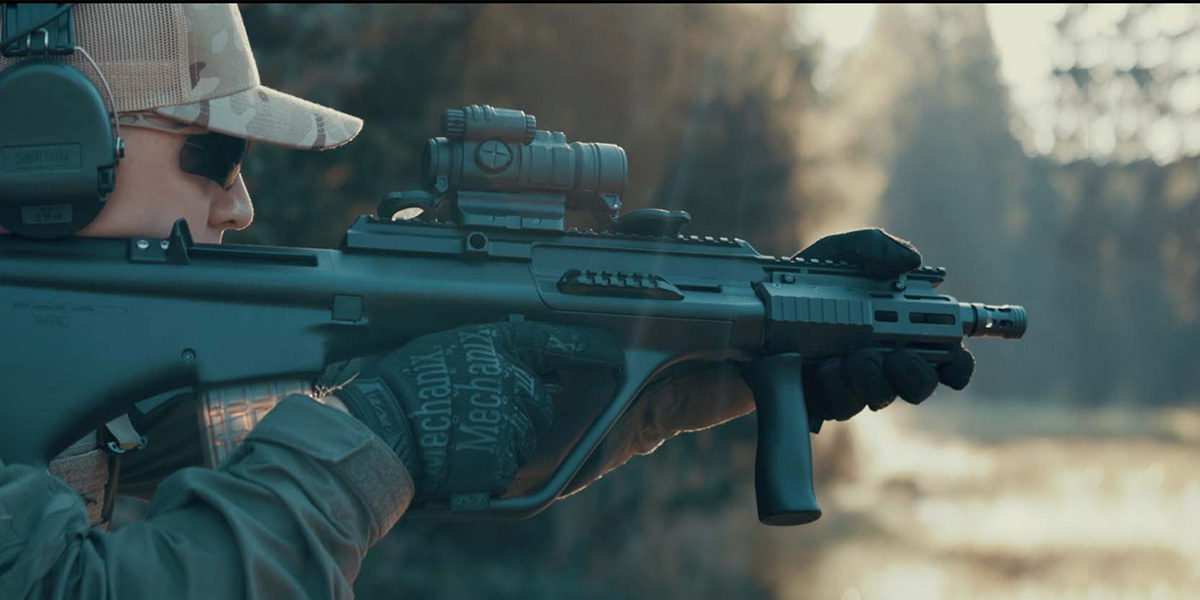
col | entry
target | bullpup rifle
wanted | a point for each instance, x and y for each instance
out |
(94, 326)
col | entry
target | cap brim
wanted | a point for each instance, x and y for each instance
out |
(263, 115)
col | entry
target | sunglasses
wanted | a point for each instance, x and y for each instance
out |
(214, 156)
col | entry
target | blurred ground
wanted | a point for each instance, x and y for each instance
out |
(969, 500)
(959, 498)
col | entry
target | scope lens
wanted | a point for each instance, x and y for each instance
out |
(602, 170)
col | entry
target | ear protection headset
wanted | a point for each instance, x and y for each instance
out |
(59, 142)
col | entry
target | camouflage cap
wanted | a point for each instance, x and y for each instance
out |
(192, 63)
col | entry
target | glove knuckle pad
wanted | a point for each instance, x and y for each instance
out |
(913, 378)
(957, 373)
(865, 375)
(840, 402)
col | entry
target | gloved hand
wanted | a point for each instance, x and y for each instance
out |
(841, 387)
(699, 395)
(463, 408)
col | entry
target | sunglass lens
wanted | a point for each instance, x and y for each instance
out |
(214, 156)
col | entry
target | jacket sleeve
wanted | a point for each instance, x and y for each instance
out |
(290, 513)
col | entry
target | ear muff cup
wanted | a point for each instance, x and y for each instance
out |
(57, 151)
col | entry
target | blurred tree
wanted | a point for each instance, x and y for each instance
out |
(1127, 80)
(706, 100)
(1127, 139)
(1103, 251)
(929, 139)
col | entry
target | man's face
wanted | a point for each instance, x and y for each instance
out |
(152, 192)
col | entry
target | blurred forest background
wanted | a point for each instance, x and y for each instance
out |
(1067, 468)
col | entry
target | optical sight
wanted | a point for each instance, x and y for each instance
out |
(499, 170)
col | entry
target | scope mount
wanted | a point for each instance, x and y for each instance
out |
(525, 211)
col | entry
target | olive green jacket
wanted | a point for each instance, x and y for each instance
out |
(290, 514)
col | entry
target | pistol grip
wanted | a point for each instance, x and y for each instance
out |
(783, 470)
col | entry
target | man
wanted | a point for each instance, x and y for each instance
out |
(292, 511)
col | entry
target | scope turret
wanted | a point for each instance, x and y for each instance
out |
(478, 123)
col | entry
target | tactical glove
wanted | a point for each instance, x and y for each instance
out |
(699, 395)
(841, 387)
(463, 408)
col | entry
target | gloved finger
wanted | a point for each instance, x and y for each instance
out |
(881, 254)
(863, 372)
(493, 468)
(535, 416)
(957, 372)
(534, 399)
(486, 446)
(840, 400)
(501, 476)
(546, 348)
(913, 377)
(814, 398)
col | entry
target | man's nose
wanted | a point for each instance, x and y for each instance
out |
(232, 208)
